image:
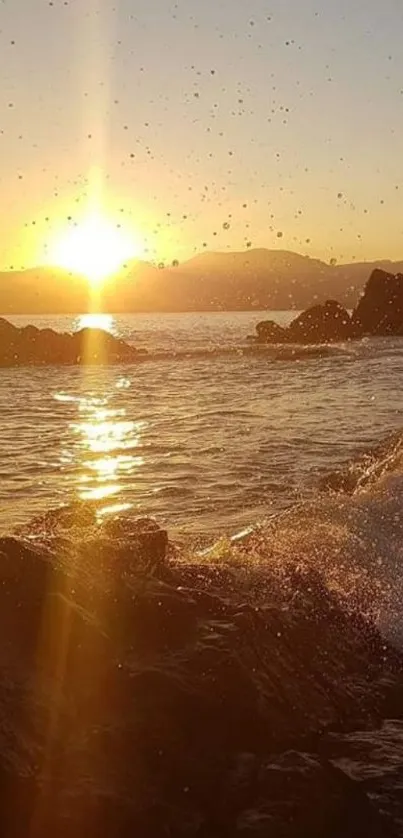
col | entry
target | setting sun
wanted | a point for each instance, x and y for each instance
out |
(95, 248)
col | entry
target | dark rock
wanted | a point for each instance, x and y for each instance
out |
(94, 345)
(142, 538)
(379, 313)
(185, 699)
(7, 329)
(31, 346)
(380, 310)
(270, 332)
(324, 801)
(326, 323)
(374, 761)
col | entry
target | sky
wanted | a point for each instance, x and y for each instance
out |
(200, 124)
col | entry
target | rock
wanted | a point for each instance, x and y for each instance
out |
(143, 539)
(191, 699)
(8, 339)
(32, 346)
(380, 310)
(378, 313)
(270, 332)
(321, 324)
(323, 801)
(93, 345)
(327, 323)
(6, 328)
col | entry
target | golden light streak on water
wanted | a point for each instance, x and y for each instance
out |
(96, 321)
(105, 447)
(106, 432)
(106, 436)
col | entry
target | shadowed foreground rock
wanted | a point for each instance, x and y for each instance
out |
(32, 346)
(144, 695)
(378, 313)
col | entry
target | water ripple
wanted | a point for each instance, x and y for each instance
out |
(206, 444)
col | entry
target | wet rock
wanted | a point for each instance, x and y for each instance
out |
(374, 760)
(327, 323)
(31, 346)
(142, 538)
(94, 345)
(378, 313)
(7, 329)
(321, 324)
(175, 698)
(380, 310)
(270, 332)
(297, 794)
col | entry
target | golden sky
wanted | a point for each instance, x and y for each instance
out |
(203, 125)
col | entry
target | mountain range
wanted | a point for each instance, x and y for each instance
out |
(257, 279)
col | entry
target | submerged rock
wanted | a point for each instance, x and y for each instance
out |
(32, 346)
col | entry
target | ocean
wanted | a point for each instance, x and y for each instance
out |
(209, 434)
(241, 675)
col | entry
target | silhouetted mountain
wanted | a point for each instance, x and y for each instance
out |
(252, 280)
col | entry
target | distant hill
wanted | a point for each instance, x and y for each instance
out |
(252, 280)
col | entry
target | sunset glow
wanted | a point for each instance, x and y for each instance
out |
(95, 248)
(96, 321)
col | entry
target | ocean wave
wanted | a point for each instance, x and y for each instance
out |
(350, 532)
(273, 352)
(367, 468)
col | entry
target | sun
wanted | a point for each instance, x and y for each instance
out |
(95, 248)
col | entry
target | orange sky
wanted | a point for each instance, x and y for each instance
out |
(203, 125)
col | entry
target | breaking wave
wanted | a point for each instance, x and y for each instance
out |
(369, 468)
(350, 533)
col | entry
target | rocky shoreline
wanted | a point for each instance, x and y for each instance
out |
(146, 692)
(379, 313)
(30, 346)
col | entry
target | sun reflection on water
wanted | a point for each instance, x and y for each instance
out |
(96, 321)
(104, 458)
